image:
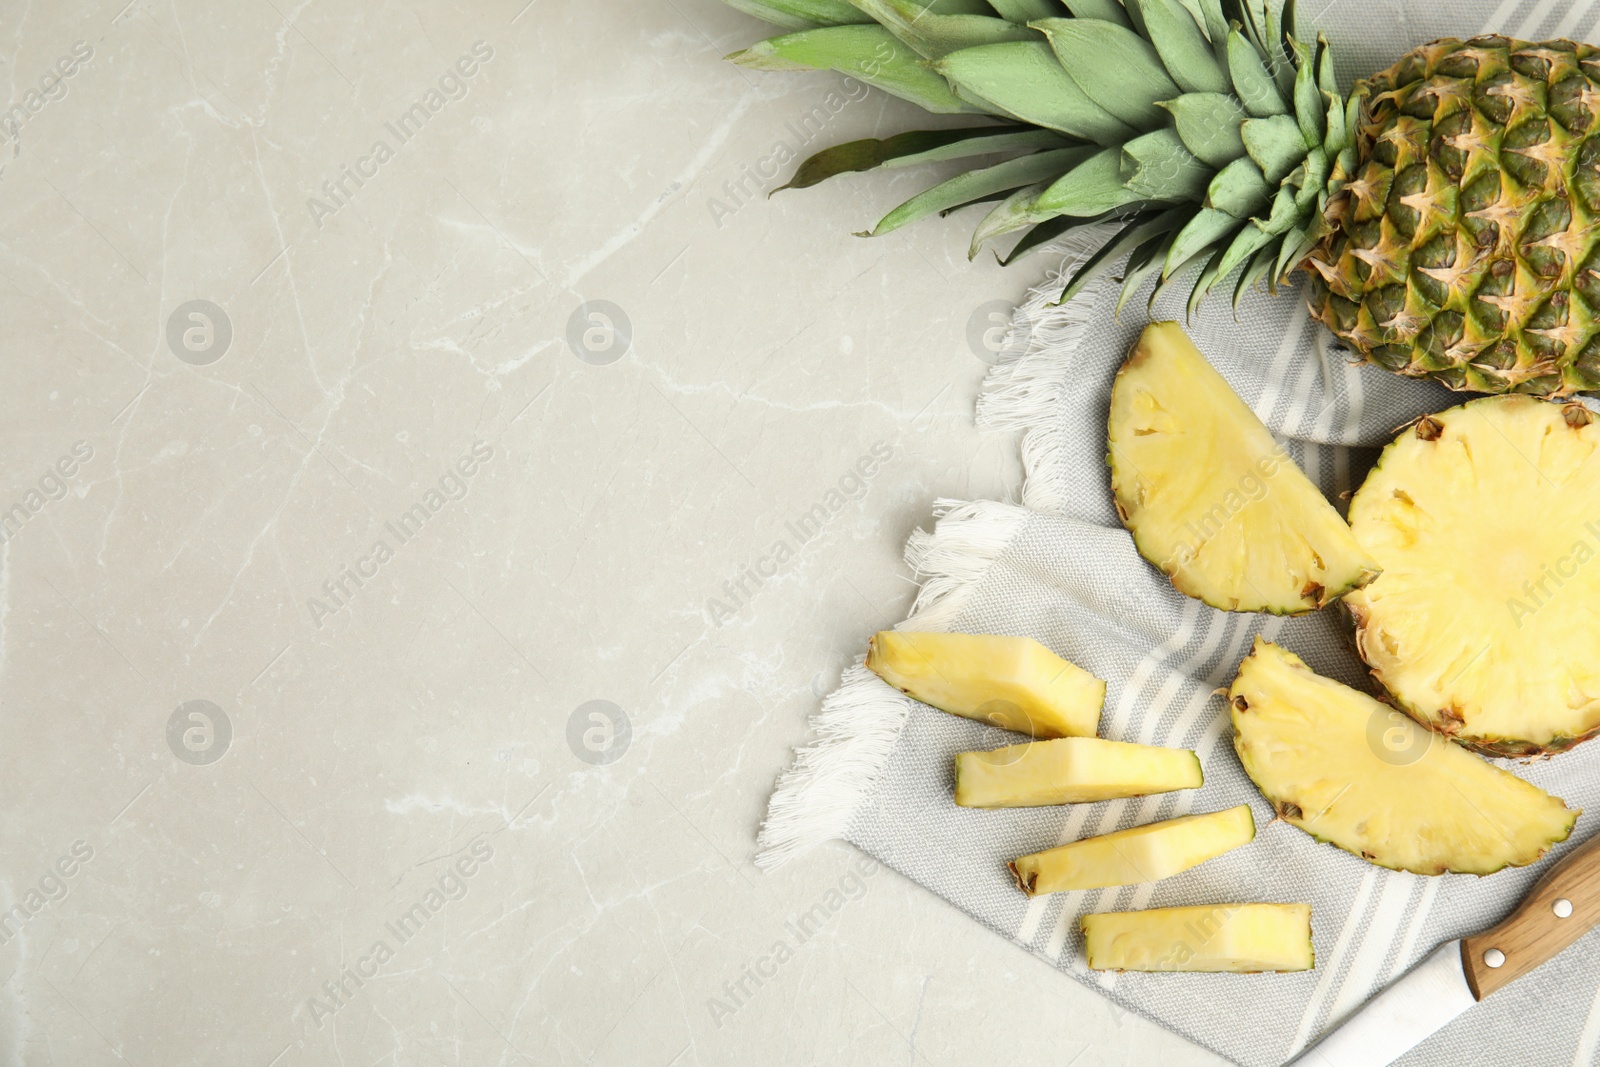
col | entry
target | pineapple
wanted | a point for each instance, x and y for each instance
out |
(1442, 208)
(1141, 854)
(1238, 938)
(1071, 770)
(1358, 774)
(1211, 498)
(1482, 627)
(1014, 683)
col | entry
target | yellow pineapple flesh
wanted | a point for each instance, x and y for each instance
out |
(1486, 520)
(1358, 774)
(1209, 495)
(1137, 855)
(1237, 938)
(1071, 770)
(1011, 682)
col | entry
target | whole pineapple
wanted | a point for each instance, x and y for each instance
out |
(1458, 250)
(1443, 207)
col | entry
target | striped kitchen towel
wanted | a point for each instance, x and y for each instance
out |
(1061, 568)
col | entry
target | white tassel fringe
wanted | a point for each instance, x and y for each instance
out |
(856, 727)
(1023, 394)
(967, 538)
(859, 722)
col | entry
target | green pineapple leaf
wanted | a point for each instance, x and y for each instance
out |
(1103, 10)
(1135, 233)
(1210, 274)
(1142, 263)
(1283, 214)
(1252, 84)
(870, 53)
(1215, 23)
(1248, 241)
(1334, 141)
(1023, 79)
(1240, 189)
(1182, 46)
(1015, 212)
(974, 184)
(1325, 79)
(1314, 182)
(1258, 268)
(1092, 188)
(802, 14)
(1117, 68)
(954, 7)
(1307, 99)
(1025, 11)
(1208, 125)
(1037, 238)
(1208, 226)
(1296, 243)
(919, 146)
(1158, 167)
(1275, 143)
(933, 36)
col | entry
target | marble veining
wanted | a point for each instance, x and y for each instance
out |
(438, 482)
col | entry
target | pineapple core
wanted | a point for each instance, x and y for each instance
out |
(1211, 499)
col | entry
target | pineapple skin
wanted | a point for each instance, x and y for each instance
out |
(1071, 770)
(1464, 247)
(1540, 513)
(1230, 938)
(1014, 683)
(1309, 743)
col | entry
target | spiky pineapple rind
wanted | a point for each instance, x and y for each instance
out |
(1461, 249)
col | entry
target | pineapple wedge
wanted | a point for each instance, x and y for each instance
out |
(1141, 854)
(1361, 775)
(1211, 498)
(1238, 938)
(1011, 682)
(1071, 770)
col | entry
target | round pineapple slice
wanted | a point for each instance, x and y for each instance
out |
(1211, 498)
(1483, 625)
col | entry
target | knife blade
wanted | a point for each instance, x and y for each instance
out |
(1562, 907)
(1400, 1017)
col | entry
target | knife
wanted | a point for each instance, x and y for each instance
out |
(1562, 907)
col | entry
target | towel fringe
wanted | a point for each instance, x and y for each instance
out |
(968, 537)
(1024, 393)
(856, 727)
(858, 723)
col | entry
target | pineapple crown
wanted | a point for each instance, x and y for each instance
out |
(1212, 133)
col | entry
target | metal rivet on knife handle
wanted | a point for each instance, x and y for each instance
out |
(1561, 908)
(1494, 958)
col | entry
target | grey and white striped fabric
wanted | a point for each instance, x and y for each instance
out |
(1062, 570)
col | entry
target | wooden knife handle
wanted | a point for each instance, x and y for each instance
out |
(1538, 930)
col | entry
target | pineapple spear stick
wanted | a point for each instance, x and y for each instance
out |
(1443, 208)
